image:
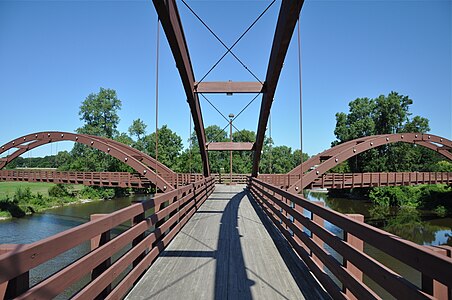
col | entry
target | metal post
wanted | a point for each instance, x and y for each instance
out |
(231, 116)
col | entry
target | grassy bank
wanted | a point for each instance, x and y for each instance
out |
(18, 199)
(434, 197)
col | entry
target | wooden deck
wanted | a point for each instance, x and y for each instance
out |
(228, 250)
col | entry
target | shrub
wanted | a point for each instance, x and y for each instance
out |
(58, 191)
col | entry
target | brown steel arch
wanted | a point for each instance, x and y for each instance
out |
(140, 162)
(334, 156)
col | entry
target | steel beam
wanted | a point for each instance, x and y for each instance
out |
(169, 17)
(228, 146)
(228, 87)
(288, 16)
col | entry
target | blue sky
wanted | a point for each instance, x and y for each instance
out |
(54, 53)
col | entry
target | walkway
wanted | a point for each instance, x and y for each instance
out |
(226, 252)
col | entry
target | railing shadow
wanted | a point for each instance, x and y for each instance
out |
(299, 271)
(231, 280)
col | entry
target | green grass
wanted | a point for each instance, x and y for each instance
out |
(9, 188)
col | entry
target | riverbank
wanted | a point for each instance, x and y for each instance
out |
(19, 199)
(435, 197)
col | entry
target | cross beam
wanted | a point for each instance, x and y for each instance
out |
(288, 16)
(227, 146)
(169, 16)
(228, 87)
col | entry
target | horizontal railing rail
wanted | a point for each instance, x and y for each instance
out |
(356, 180)
(308, 237)
(137, 247)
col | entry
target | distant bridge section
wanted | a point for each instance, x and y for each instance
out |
(360, 180)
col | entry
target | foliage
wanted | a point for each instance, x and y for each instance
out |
(395, 196)
(422, 196)
(441, 211)
(384, 115)
(169, 146)
(96, 193)
(442, 166)
(100, 113)
(59, 190)
(138, 128)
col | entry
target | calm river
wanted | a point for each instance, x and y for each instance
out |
(421, 227)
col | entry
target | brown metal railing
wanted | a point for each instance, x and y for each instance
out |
(286, 210)
(143, 241)
(354, 180)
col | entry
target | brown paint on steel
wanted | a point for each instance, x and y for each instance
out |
(431, 264)
(41, 138)
(433, 287)
(228, 87)
(287, 18)
(227, 146)
(345, 152)
(352, 180)
(326, 259)
(315, 160)
(319, 221)
(358, 245)
(109, 179)
(412, 254)
(169, 17)
(183, 201)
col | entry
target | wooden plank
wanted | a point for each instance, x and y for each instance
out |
(228, 87)
(227, 146)
(223, 252)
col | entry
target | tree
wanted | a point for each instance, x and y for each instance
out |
(169, 146)
(100, 113)
(384, 115)
(138, 128)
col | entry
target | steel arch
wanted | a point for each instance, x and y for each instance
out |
(342, 152)
(122, 152)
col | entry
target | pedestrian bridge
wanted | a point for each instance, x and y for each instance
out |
(207, 241)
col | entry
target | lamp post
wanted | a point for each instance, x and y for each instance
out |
(231, 116)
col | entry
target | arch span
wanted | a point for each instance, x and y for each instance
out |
(321, 163)
(142, 163)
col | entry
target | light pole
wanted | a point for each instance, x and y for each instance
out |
(231, 116)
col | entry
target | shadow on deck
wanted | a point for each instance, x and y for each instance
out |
(228, 250)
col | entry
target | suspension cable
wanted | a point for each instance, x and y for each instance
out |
(157, 103)
(271, 141)
(190, 146)
(301, 107)
(229, 49)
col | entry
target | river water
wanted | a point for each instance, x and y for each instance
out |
(422, 227)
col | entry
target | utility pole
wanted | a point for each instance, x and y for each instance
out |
(231, 116)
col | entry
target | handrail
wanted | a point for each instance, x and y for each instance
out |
(286, 211)
(171, 211)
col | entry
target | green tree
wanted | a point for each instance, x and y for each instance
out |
(138, 128)
(384, 115)
(100, 113)
(169, 146)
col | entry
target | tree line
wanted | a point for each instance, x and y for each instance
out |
(100, 115)
(382, 115)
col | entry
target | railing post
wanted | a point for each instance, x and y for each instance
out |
(358, 245)
(319, 221)
(136, 220)
(16, 286)
(96, 242)
(433, 287)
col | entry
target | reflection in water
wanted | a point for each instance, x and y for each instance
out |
(41, 225)
(421, 227)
